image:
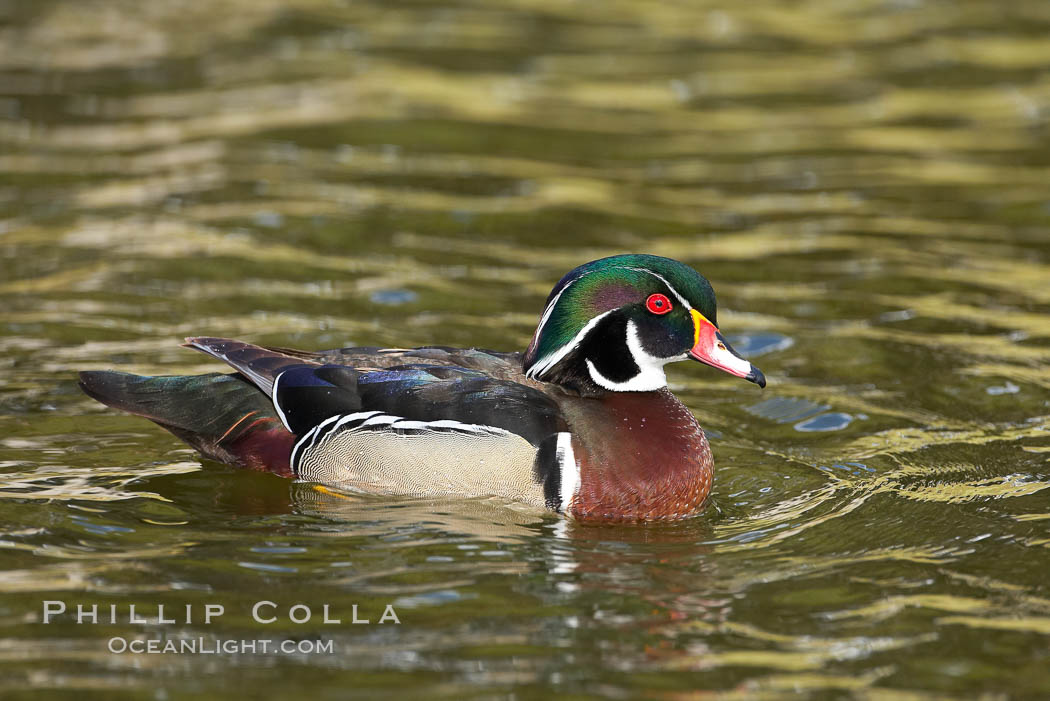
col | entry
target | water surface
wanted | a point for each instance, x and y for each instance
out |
(865, 184)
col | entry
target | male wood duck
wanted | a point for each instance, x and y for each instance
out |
(582, 423)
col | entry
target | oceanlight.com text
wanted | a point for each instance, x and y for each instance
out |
(205, 646)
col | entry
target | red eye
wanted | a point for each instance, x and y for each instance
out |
(658, 304)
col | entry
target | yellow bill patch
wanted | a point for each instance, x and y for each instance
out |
(698, 319)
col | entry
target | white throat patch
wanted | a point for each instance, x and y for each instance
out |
(651, 374)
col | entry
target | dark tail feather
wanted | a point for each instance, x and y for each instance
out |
(225, 417)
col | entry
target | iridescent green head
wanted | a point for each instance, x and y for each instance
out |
(612, 324)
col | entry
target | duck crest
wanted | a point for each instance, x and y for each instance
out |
(642, 456)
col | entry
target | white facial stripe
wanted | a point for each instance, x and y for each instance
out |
(664, 281)
(650, 375)
(570, 471)
(650, 368)
(550, 360)
(550, 307)
(600, 379)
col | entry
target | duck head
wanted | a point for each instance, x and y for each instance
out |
(612, 324)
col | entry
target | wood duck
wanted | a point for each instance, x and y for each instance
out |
(582, 423)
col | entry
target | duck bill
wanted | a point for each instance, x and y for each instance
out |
(711, 348)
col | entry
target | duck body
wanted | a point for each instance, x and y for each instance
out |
(581, 423)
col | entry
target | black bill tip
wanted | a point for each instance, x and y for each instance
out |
(756, 376)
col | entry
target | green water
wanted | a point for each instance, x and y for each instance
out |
(866, 184)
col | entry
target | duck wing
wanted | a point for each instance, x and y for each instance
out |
(307, 388)
(420, 427)
(504, 366)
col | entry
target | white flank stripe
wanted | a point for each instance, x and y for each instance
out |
(448, 423)
(381, 419)
(319, 434)
(295, 454)
(310, 436)
(570, 471)
(320, 426)
(359, 416)
(273, 397)
(403, 424)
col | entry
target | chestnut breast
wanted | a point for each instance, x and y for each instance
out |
(642, 456)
